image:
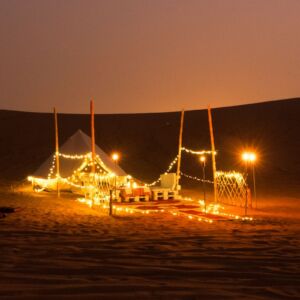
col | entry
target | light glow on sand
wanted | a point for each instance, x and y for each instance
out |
(214, 209)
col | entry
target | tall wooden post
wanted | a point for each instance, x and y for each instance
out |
(110, 202)
(213, 154)
(179, 150)
(56, 152)
(93, 135)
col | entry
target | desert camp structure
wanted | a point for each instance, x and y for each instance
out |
(82, 167)
(75, 169)
(76, 175)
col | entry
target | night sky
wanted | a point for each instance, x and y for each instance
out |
(147, 56)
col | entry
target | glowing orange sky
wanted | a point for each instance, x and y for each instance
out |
(144, 56)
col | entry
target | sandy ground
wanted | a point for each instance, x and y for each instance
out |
(61, 249)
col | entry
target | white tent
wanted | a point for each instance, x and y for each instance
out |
(75, 168)
(78, 144)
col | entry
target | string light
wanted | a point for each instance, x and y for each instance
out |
(201, 152)
(170, 167)
(105, 176)
(231, 174)
(174, 161)
(89, 155)
(195, 178)
(232, 187)
(76, 156)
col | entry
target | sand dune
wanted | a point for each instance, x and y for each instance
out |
(61, 249)
(148, 142)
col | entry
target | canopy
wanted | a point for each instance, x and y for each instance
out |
(77, 144)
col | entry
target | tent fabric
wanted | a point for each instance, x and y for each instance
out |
(79, 144)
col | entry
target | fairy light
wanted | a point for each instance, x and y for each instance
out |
(87, 163)
(201, 152)
(170, 167)
(202, 203)
(107, 174)
(195, 178)
(174, 161)
(103, 175)
(231, 174)
(76, 156)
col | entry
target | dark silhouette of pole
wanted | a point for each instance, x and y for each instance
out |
(93, 136)
(115, 158)
(56, 152)
(246, 180)
(254, 184)
(179, 151)
(203, 163)
(213, 154)
(110, 202)
(115, 187)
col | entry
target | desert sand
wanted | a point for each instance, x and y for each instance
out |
(62, 249)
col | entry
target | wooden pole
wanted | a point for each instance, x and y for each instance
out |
(110, 202)
(213, 155)
(254, 185)
(179, 150)
(93, 135)
(203, 184)
(56, 153)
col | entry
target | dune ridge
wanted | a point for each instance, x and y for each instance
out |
(148, 142)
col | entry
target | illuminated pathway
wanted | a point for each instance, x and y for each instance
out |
(180, 208)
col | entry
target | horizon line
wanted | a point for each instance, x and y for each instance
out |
(157, 112)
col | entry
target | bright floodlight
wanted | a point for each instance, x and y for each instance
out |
(115, 157)
(252, 157)
(249, 157)
(245, 156)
